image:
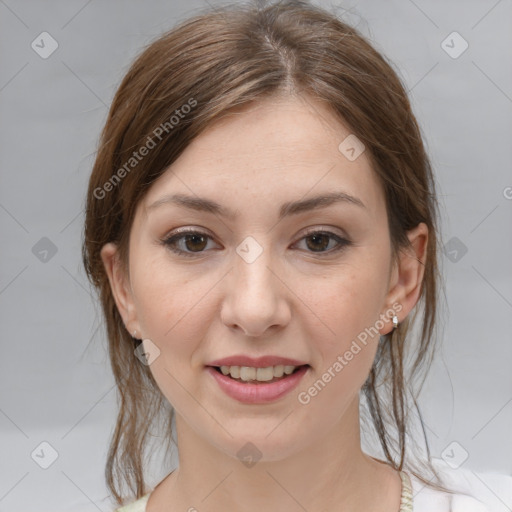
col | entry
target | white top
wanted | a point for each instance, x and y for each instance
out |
(426, 499)
(477, 491)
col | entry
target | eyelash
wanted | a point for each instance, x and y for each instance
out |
(171, 241)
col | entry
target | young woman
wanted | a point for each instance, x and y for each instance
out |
(262, 229)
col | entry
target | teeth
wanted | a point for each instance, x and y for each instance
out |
(247, 373)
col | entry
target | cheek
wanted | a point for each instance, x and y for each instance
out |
(346, 301)
(169, 304)
(344, 342)
(346, 305)
(171, 308)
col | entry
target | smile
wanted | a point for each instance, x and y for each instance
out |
(257, 385)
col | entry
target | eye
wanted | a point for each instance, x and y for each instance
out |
(187, 243)
(320, 242)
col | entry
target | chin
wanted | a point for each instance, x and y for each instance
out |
(250, 449)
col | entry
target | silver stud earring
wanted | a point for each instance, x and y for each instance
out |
(135, 333)
(395, 321)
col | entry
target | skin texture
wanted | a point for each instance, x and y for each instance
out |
(294, 301)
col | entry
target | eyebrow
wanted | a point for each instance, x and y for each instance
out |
(289, 208)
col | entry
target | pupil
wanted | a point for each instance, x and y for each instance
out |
(316, 237)
(195, 237)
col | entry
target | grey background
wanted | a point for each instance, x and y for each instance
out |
(56, 385)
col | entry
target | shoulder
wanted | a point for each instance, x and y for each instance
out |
(426, 499)
(474, 492)
(136, 506)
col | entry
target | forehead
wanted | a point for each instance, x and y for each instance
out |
(279, 147)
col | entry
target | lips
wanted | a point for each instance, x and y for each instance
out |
(257, 392)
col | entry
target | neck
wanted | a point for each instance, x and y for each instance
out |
(329, 473)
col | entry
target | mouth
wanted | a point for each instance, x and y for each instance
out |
(250, 385)
(252, 375)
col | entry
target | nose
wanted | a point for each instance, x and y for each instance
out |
(256, 299)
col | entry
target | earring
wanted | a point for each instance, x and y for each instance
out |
(395, 321)
(135, 334)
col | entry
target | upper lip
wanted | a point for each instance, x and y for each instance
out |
(256, 362)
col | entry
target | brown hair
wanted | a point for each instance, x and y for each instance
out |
(216, 61)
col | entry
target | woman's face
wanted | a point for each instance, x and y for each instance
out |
(273, 271)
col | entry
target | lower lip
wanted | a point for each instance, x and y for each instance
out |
(257, 393)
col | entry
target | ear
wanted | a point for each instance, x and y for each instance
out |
(120, 286)
(407, 275)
